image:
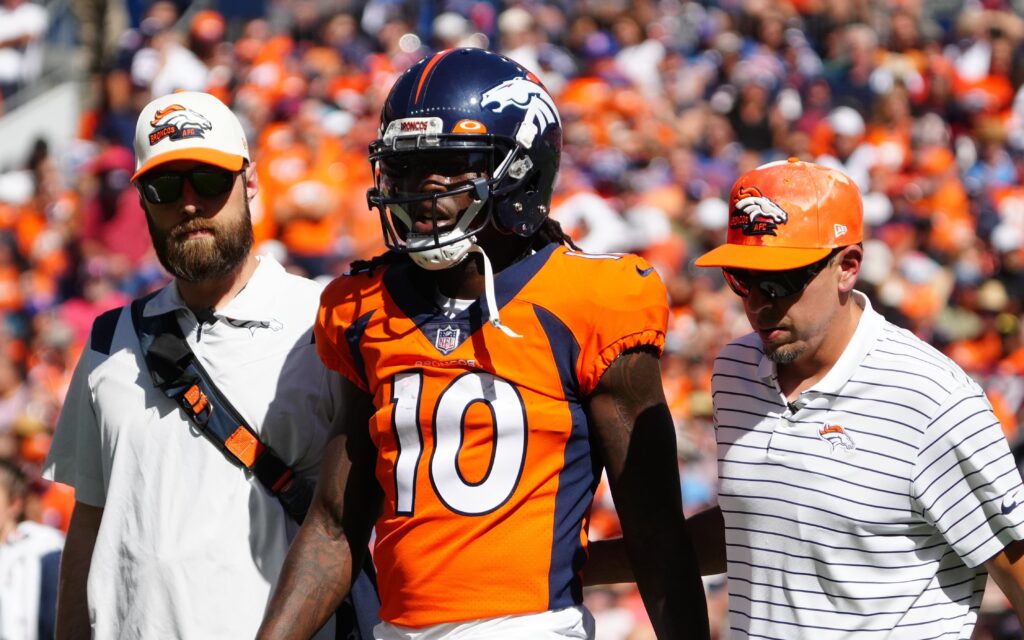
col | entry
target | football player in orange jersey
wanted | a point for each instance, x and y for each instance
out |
(492, 371)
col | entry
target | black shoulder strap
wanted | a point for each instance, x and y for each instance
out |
(103, 328)
(177, 372)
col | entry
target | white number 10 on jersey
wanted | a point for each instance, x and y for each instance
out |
(508, 424)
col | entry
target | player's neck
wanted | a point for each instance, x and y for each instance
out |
(217, 292)
(465, 281)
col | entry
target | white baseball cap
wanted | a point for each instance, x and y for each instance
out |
(846, 121)
(188, 125)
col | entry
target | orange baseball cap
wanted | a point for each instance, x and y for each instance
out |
(788, 214)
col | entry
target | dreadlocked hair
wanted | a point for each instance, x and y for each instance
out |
(550, 232)
(374, 263)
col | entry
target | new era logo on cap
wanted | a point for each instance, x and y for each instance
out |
(786, 215)
(188, 125)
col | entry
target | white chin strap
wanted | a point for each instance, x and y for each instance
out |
(434, 258)
(424, 251)
(492, 302)
(437, 258)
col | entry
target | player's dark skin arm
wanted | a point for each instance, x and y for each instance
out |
(634, 433)
(72, 603)
(608, 562)
(328, 549)
(1007, 569)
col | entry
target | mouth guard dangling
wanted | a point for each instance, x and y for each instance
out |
(492, 303)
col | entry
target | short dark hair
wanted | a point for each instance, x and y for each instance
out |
(13, 480)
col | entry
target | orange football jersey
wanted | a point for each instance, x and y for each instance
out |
(483, 444)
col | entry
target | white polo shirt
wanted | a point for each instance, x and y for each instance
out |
(190, 545)
(868, 507)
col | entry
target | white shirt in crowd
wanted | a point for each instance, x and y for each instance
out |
(22, 63)
(21, 578)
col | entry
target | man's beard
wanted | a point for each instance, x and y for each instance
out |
(784, 355)
(203, 259)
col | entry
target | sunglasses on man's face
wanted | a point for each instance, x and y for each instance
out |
(208, 182)
(775, 284)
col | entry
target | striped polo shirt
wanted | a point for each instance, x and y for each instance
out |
(867, 506)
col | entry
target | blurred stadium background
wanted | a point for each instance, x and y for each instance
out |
(664, 104)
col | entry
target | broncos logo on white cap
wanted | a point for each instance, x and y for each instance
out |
(529, 96)
(755, 214)
(176, 122)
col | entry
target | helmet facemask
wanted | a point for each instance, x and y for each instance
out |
(394, 161)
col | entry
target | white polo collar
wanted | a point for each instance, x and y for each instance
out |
(249, 304)
(869, 327)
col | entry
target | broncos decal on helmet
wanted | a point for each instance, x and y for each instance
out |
(529, 96)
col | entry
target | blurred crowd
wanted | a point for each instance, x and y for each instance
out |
(664, 103)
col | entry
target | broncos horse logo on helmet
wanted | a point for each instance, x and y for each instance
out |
(470, 104)
(528, 95)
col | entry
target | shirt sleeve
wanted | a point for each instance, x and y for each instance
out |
(965, 480)
(75, 456)
(628, 310)
(628, 307)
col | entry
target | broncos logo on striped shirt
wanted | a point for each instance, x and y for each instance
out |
(837, 437)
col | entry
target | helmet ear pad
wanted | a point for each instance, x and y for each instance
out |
(522, 211)
(525, 202)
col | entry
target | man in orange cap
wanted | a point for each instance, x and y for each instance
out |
(866, 486)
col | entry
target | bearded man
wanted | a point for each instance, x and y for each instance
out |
(168, 538)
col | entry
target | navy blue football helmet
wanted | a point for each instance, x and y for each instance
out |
(471, 111)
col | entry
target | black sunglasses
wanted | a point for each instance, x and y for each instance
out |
(208, 182)
(775, 284)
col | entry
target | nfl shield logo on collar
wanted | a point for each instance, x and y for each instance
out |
(447, 339)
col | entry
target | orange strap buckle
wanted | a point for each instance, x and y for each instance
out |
(196, 399)
(244, 445)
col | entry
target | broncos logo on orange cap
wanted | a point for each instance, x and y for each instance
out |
(175, 122)
(755, 214)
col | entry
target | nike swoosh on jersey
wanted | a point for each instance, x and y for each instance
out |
(644, 272)
(1007, 507)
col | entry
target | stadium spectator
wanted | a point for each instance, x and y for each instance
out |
(22, 26)
(29, 560)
